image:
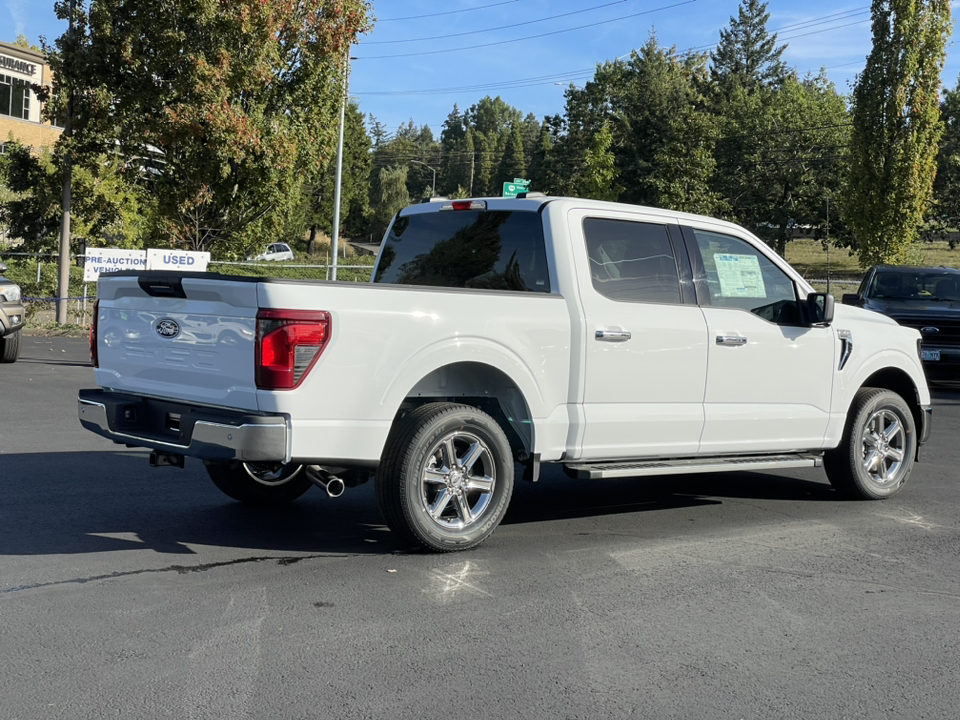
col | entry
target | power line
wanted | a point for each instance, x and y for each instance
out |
(447, 12)
(587, 72)
(502, 27)
(529, 37)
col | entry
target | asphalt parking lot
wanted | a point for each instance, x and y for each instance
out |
(136, 592)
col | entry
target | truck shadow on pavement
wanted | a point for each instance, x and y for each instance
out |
(93, 502)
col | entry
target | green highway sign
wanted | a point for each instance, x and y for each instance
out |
(512, 189)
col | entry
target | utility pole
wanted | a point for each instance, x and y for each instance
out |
(828, 244)
(433, 184)
(338, 182)
(63, 280)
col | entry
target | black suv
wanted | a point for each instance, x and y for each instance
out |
(925, 298)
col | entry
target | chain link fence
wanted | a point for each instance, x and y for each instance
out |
(37, 274)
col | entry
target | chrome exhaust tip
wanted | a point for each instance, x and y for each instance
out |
(333, 485)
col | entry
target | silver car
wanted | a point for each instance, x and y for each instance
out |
(12, 317)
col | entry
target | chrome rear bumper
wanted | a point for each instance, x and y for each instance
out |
(185, 429)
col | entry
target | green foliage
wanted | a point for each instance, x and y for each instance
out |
(393, 197)
(896, 127)
(943, 214)
(747, 55)
(599, 172)
(22, 41)
(318, 194)
(107, 208)
(231, 104)
(780, 158)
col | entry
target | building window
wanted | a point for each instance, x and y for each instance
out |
(14, 97)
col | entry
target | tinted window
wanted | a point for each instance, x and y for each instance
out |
(914, 284)
(479, 249)
(631, 261)
(740, 276)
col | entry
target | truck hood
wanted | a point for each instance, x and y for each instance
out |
(914, 308)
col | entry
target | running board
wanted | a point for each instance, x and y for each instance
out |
(640, 468)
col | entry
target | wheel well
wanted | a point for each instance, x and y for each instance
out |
(899, 382)
(484, 387)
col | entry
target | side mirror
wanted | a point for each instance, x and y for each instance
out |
(820, 309)
(3, 267)
(850, 299)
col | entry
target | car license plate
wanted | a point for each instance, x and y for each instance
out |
(930, 355)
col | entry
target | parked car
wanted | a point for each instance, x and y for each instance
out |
(924, 298)
(12, 317)
(610, 339)
(275, 251)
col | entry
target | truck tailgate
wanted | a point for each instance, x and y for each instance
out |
(178, 337)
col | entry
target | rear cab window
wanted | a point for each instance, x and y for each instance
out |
(471, 249)
(631, 261)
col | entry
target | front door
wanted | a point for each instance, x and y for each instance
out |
(645, 350)
(769, 380)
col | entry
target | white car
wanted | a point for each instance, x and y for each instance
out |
(275, 251)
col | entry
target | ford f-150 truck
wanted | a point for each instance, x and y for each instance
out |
(498, 335)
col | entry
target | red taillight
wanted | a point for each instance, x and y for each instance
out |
(465, 205)
(288, 345)
(94, 359)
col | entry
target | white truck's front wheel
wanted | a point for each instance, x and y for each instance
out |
(879, 445)
(446, 477)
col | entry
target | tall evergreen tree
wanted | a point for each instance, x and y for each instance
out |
(747, 53)
(896, 127)
(943, 215)
(512, 163)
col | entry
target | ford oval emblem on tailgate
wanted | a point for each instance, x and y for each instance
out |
(167, 328)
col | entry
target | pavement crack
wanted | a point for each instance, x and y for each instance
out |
(179, 569)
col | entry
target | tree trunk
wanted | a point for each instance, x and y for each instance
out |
(312, 242)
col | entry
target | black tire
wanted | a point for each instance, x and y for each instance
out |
(437, 504)
(261, 484)
(10, 347)
(879, 445)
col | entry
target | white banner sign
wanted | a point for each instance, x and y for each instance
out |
(111, 260)
(185, 260)
(103, 260)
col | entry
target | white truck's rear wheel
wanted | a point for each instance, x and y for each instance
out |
(876, 457)
(260, 483)
(446, 477)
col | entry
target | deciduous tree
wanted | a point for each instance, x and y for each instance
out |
(896, 127)
(236, 101)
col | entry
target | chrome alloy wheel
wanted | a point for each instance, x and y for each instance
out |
(272, 474)
(883, 442)
(458, 481)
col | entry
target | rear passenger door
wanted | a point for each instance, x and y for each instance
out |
(645, 353)
(769, 378)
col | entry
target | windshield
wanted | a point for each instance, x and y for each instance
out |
(482, 250)
(916, 284)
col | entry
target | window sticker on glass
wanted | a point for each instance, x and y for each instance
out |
(739, 276)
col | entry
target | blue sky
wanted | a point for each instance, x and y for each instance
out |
(409, 66)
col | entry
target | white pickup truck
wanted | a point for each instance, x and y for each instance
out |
(611, 339)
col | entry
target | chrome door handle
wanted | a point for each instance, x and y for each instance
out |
(613, 335)
(731, 340)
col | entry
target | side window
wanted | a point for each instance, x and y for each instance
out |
(740, 276)
(631, 261)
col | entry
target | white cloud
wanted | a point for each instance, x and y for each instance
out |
(17, 10)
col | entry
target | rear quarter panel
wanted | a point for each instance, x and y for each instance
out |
(385, 339)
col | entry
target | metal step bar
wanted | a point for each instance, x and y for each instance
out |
(641, 468)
